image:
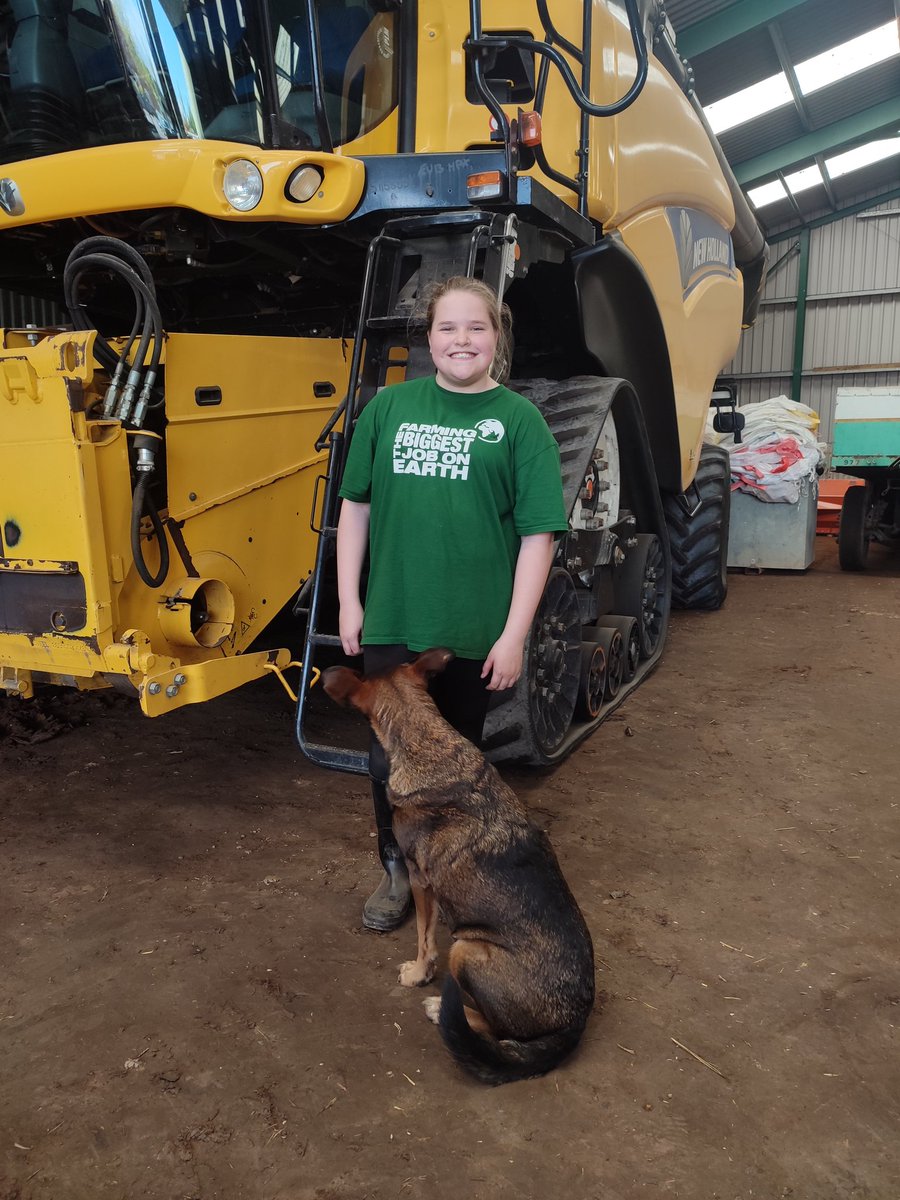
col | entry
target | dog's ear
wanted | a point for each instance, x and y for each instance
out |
(343, 685)
(432, 662)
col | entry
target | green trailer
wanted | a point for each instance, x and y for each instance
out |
(866, 446)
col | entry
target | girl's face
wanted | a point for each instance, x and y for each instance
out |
(462, 342)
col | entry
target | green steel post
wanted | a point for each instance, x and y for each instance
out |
(800, 319)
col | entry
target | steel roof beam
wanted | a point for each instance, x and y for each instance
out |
(792, 199)
(730, 23)
(861, 209)
(794, 84)
(876, 119)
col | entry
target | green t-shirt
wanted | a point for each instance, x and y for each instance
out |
(454, 480)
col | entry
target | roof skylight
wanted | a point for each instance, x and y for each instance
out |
(768, 193)
(862, 156)
(849, 58)
(750, 102)
(836, 166)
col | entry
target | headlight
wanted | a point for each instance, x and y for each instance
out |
(304, 183)
(242, 185)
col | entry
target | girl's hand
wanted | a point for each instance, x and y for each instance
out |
(350, 623)
(504, 663)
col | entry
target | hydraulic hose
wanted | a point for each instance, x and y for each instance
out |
(141, 500)
(110, 254)
(92, 262)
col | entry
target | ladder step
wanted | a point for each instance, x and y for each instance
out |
(389, 324)
(336, 758)
(324, 639)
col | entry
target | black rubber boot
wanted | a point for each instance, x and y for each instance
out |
(388, 905)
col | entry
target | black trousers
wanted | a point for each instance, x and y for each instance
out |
(459, 692)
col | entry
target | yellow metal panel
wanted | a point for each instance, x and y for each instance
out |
(661, 153)
(241, 474)
(48, 481)
(702, 323)
(655, 150)
(249, 463)
(166, 691)
(179, 174)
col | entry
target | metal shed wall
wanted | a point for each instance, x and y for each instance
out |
(16, 310)
(852, 325)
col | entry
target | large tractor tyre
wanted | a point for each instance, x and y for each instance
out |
(853, 538)
(698, 534)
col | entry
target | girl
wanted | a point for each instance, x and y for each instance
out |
(453, 484)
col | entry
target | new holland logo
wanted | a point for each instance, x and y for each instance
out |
(703, 247)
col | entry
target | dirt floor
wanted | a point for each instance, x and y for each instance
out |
(189, 1008)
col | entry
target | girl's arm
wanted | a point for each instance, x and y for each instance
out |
(504, 663)
(352, 542)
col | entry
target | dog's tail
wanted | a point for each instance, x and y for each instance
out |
(494, 1061)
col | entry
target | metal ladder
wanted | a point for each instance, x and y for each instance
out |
(403, 261)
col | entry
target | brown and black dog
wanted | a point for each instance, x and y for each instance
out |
(522, 952)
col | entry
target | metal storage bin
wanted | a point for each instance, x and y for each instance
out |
(773, 536)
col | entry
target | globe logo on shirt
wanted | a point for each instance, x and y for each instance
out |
(490, 430)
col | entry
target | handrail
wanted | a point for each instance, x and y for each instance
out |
(488, 41)
(478, 41)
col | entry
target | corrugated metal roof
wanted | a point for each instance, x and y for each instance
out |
(818, 27)
(686, 12)
(854, 94)
(878, 177)
(805, 30)
(756, 137)
(718, 74)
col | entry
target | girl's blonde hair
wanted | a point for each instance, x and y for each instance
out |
(498, 312)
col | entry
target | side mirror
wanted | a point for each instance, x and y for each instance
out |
(730, 421)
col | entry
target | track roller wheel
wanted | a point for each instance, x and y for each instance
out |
(610, 639)
(644, 591)
(553, 659)
(631, 642)
(593, 681)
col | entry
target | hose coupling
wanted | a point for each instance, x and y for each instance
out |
(112, 392)
(145, 445)
(140, 409)
(126, 404)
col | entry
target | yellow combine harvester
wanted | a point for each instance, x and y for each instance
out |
(242, 204)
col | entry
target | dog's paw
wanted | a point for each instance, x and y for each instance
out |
(416, 974)
(432, 1006)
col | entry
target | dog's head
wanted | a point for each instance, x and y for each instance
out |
(353, 690)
